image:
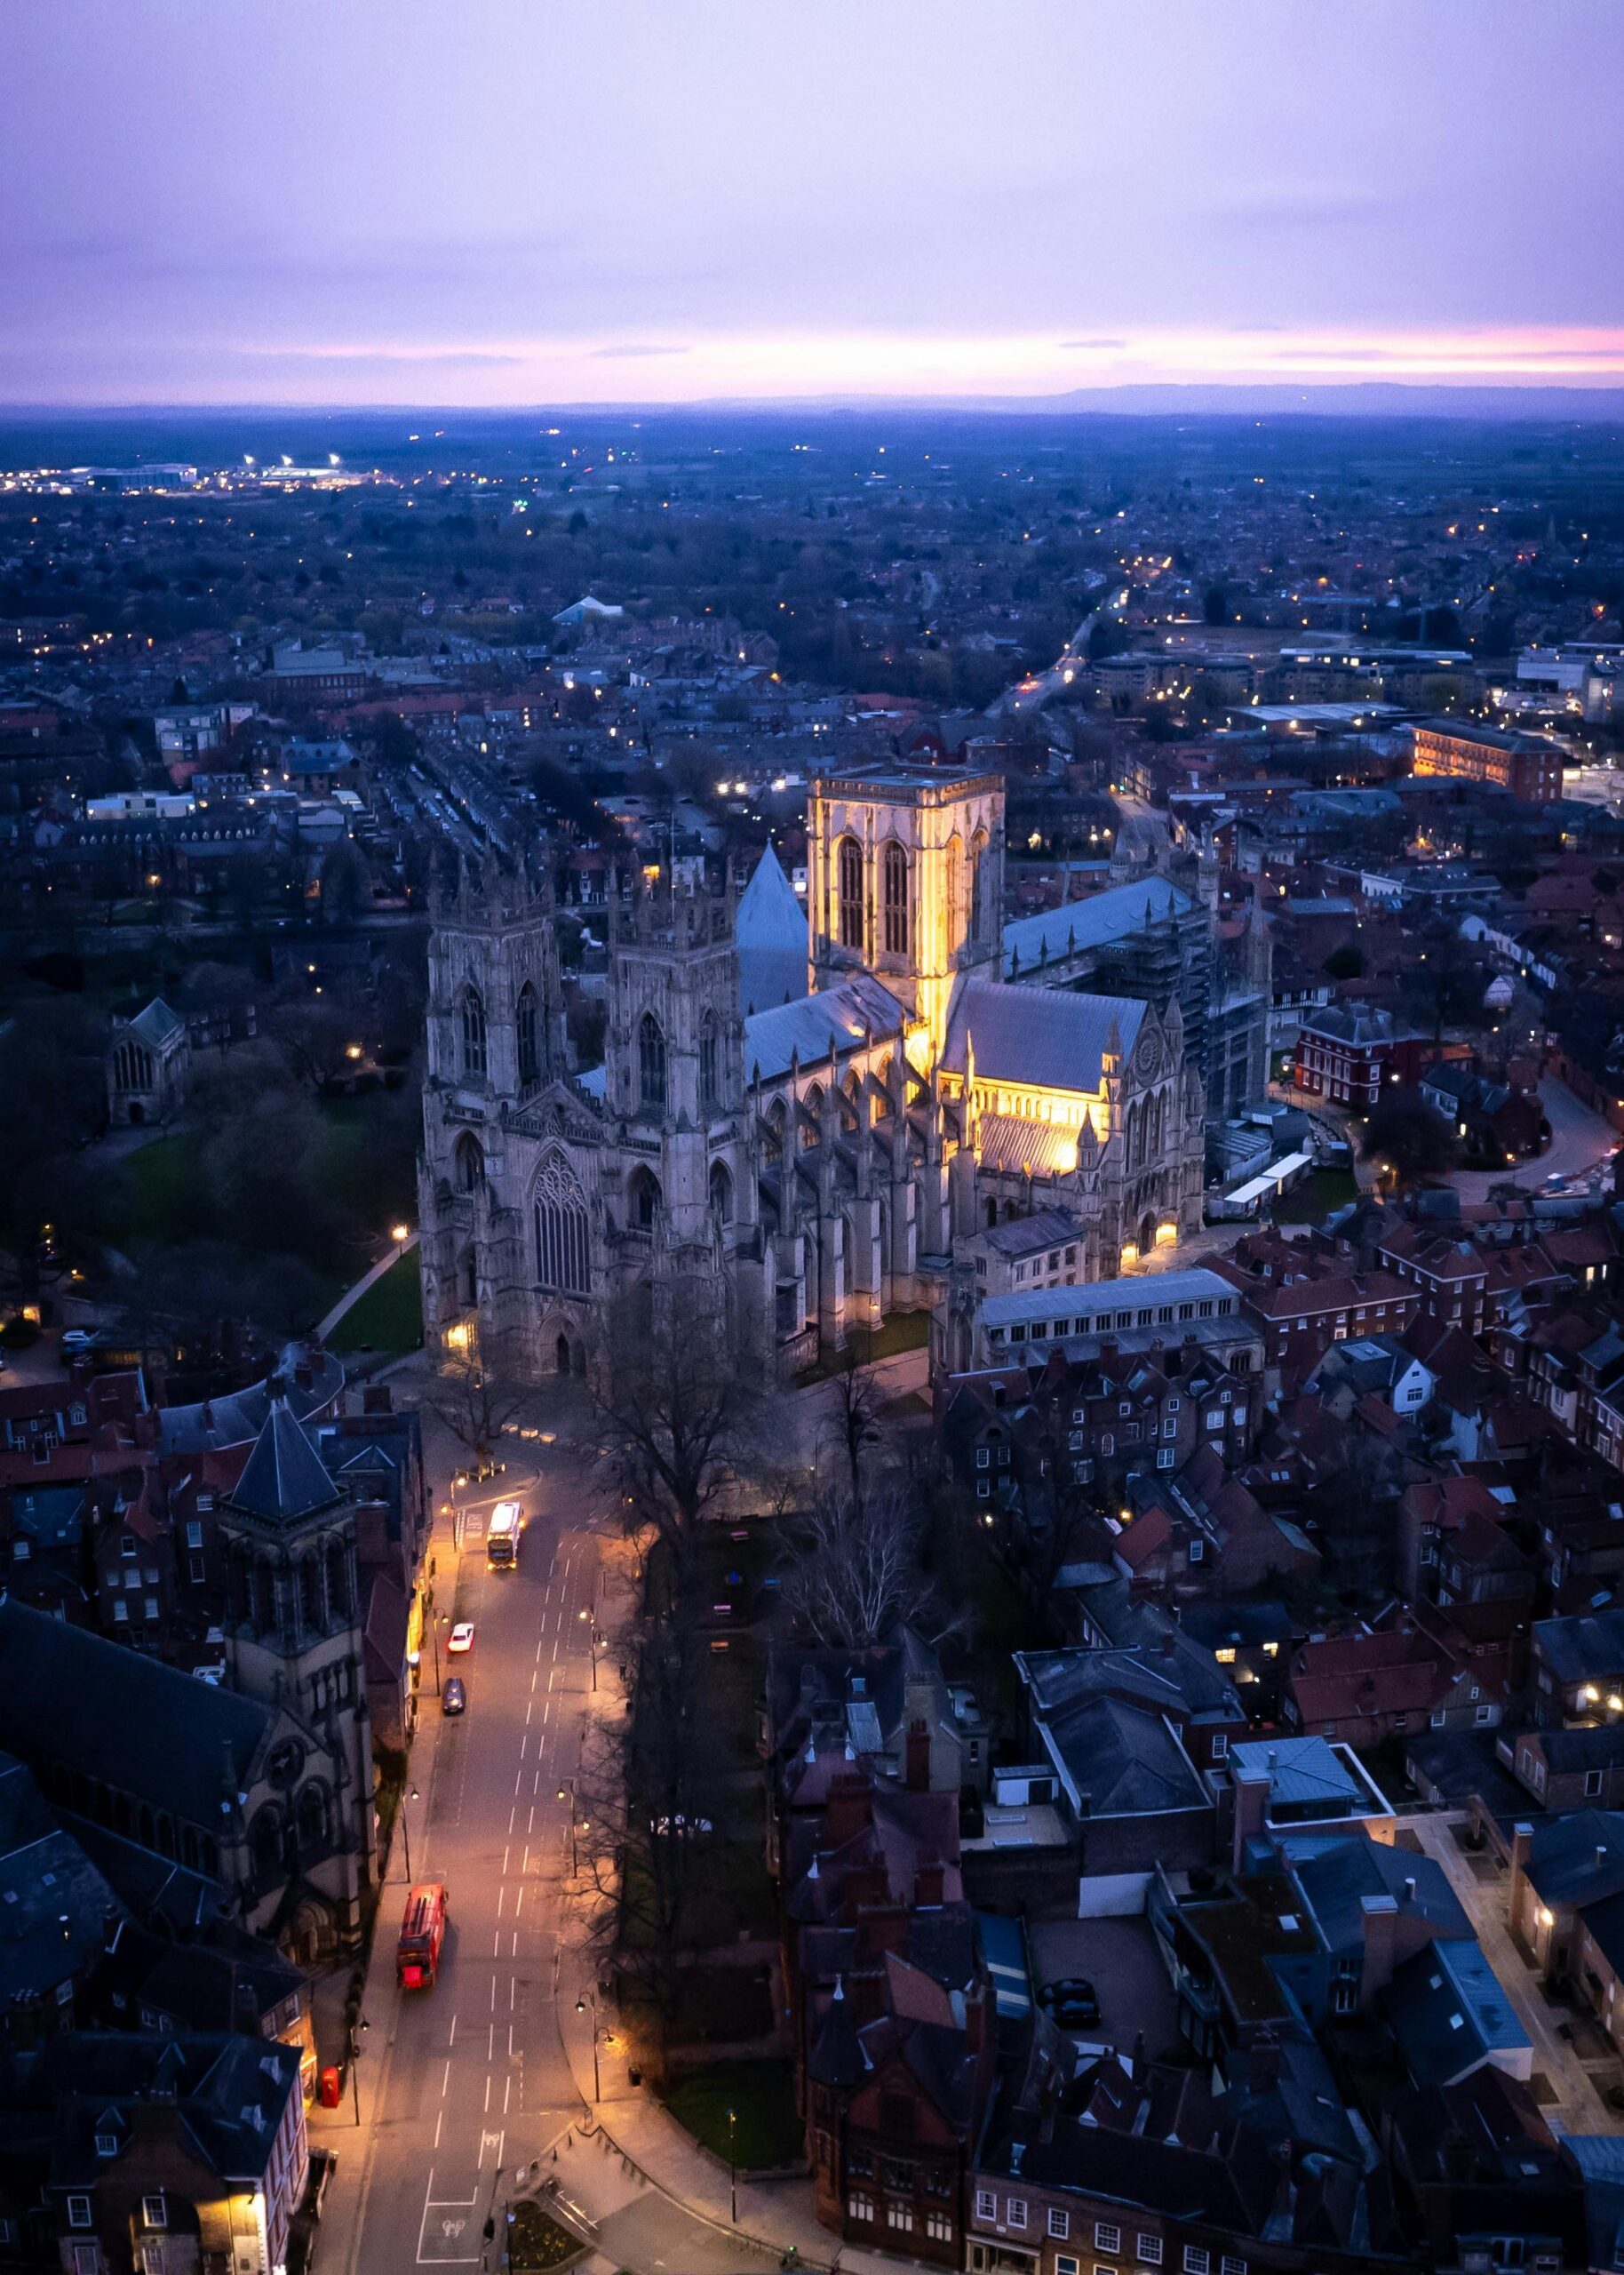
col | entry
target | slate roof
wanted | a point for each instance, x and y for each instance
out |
(1047, 1037)
(71, 1698)
(770, 928)
(1578, 1649)
(836, 1018)
(1342, 1872)
(1449, 2012)
(1046, 1228)
(285, 1478)
(1578, 1858)
(1096, 923)
(1122, 1761)
(237, 1418)
(228, 2096)
(1298, 1769)
(157, 1024)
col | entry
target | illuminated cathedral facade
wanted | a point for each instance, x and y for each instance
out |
(824, 1157)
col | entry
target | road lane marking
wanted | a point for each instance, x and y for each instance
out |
(501, 1892)
(505, 1859)
(452, 2039)
(507, 2094)
(491, 2041)
(495, 1946)
(445, 2082)
(439, 2121)
(494, 2141)
(487, 2092)
(518, 1903)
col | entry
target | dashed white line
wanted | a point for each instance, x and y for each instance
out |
(452, 2039)
(445, 2082)
(439, 2121)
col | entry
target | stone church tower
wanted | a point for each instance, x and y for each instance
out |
(294, 1640)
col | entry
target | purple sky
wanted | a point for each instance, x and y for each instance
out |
(519, 201)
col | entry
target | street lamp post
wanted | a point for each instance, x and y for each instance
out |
(355, 2031)
(732, 2173)
(433, 1638)
(566, 1791)
(581, 2009)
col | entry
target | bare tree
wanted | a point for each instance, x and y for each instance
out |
(645, 1798)
(476, 1400)
(858, 1402)
(672, 1402)
(316, 1035)
(854, 1571)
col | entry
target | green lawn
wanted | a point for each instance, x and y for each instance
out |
(902, 1331)
(1319, 1193)
(163, 1179)
(767, 2131)
(389, 1317)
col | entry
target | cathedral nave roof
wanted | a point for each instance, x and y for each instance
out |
(836, 1018)
(1044, 1036)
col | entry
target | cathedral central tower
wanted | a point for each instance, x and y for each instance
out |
(907, 882)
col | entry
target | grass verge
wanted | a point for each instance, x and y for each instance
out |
(767, 2131)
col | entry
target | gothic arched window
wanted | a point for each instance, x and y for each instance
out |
(721, 1195)
(471, 1020)
(469, 1162)
(777, 1122)
(644, 1196)
(978, 891)
(562, 1253)
(527, 1028)
(894, 880)
(710, 1062)
(651, 1062)
(954, 865)
(850, 884)
(812, 1125)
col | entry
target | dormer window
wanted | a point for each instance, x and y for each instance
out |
(107, 2144)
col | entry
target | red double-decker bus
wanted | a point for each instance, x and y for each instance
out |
(417, 1956)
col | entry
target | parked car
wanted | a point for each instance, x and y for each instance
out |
(1071, 2000)
(77, 1338)
(461, 1638)
(454, 1697)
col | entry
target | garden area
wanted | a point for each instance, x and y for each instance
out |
(1319, 1193)
(389, 1317)
(765, 2134)
(272, 1206)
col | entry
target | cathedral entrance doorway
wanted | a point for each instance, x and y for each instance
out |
(561, 1354)
(1147, 1232)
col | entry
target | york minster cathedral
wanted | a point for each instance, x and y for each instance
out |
(823, 1107)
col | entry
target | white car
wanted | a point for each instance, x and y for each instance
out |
(461, 1637)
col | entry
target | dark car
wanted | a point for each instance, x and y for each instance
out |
(1071, 2000)
(454, 1699)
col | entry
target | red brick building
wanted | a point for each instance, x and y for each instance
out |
(1527, 765)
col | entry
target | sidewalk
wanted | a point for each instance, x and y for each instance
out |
(338, 2242)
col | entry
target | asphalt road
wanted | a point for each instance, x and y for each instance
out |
(472, 2081)
(1580, 1141)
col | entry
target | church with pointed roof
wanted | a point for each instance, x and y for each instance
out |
(824, 1106)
